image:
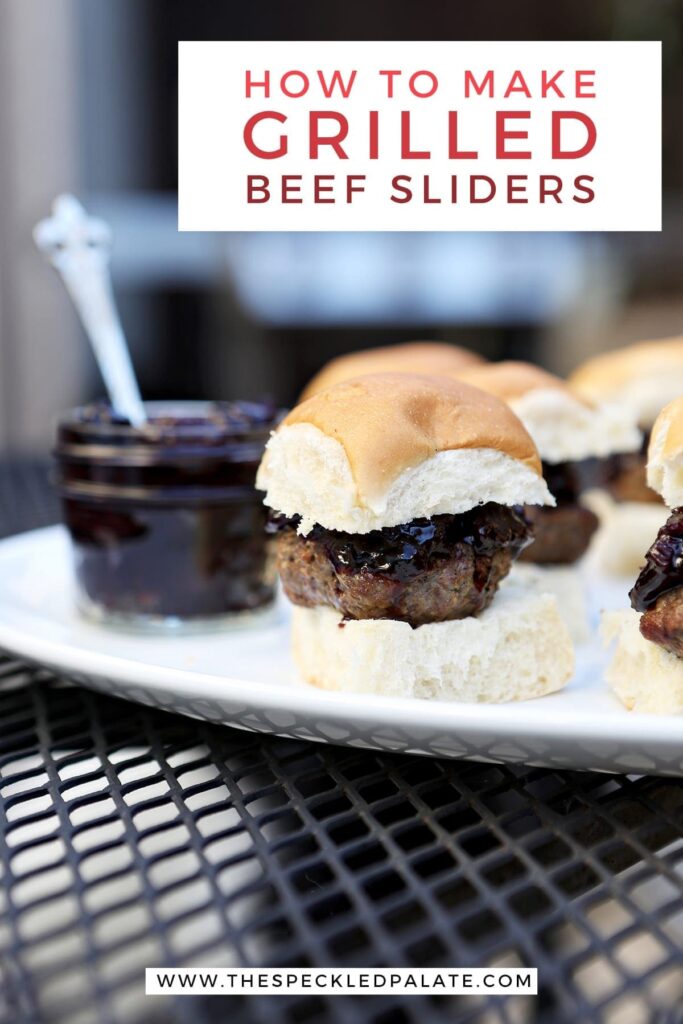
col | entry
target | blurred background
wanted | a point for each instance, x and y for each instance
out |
(88, 104)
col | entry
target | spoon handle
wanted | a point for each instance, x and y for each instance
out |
(78, 247)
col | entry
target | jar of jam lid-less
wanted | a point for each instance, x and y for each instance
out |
(166, 525)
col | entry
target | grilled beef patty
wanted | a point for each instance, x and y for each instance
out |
(657, 591)
(628, 479)
(626, 476)
(663, 622)
(428, 570)
(561, 534)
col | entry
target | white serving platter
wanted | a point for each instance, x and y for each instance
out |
(245, 678)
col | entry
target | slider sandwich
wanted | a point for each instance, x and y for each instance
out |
(430, 357)
(647, 670)
(397, 505)
(573, 437)
(641, 379)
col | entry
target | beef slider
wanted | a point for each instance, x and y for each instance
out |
(428, 570)
(647, 670)
(401, 495)
(575, 439)
(641, 378)
(658, 591)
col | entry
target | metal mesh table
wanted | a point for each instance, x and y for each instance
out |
(134, 838)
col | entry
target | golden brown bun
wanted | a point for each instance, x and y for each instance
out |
(381, 450)
(665, 454)
(429, 357)
(645, 376)
(605, 372)
(564, 425)
(389, 422)
(511, 379)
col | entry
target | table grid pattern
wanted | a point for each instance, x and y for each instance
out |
(132, 837)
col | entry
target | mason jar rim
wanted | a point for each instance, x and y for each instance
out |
(149, 433)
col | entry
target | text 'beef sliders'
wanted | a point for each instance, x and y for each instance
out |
(397, 506)
(574, 437)
(431, 357)
(647, 670)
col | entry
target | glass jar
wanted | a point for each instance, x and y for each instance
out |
(166, 525)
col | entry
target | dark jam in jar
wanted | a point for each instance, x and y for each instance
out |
(166, 524)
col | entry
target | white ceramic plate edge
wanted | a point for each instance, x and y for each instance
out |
(521, 723)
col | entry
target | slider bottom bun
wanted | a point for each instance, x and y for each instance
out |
(643, 675)
(517, 649)
(564, 583)
(627, 530)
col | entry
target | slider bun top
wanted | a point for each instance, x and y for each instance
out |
(565, 426)
(665, 455)
(641, 377)
(432, 357)
(512, 379)
(388, 448)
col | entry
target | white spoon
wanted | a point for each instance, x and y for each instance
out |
(78, 246)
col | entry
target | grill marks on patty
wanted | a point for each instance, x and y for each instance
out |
(428, 570)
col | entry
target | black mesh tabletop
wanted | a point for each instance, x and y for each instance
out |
(134, 838)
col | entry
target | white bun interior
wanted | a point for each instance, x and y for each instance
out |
(517, 649)
(565, 429)
(627, 529)
(645, 397)
(665, 455)
(644, 676)
(566, 586)
(306, 472)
